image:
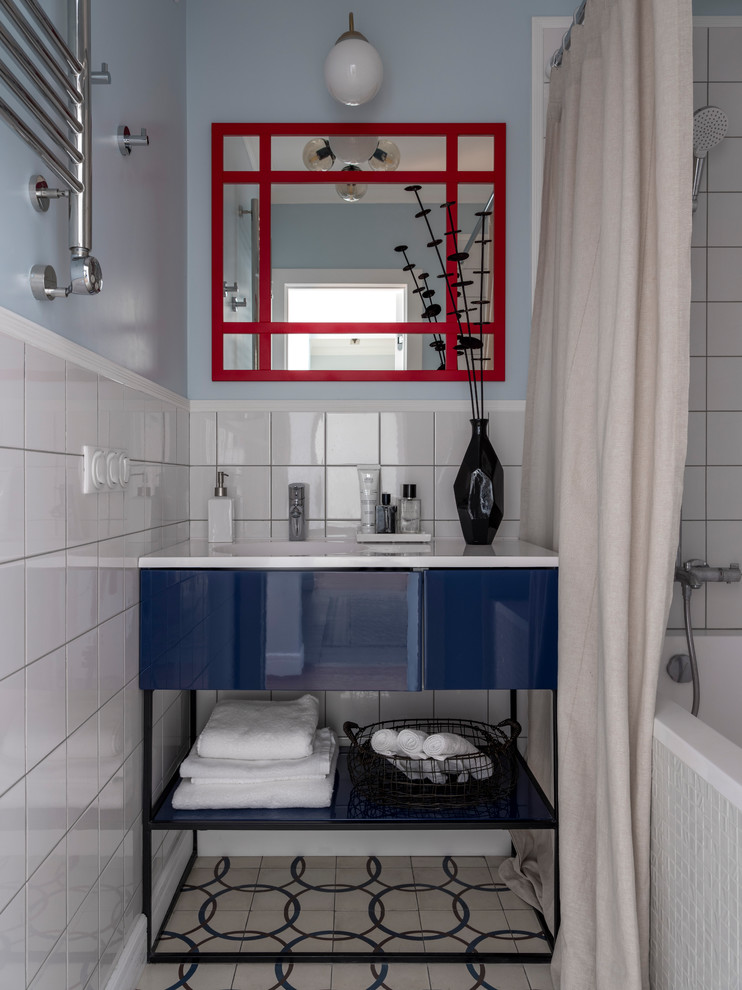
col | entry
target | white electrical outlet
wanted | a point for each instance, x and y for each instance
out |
(104, 470)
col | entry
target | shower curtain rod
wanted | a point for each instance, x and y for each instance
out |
(577, 18)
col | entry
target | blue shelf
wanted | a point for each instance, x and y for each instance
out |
(526, 807)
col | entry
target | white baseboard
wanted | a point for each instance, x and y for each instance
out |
(362, 842)
(131, 959)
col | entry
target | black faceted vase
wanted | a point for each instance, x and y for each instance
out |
(478, 488)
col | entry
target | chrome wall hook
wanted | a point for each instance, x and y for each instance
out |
(40, 194)
(101, 76)
(127, 140)
(43, 280)
(237, 302)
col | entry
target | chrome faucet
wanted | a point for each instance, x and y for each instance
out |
(297, 519)
(695, 573)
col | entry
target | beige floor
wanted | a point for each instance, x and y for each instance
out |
(349, 904)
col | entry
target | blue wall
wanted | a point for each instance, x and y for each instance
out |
(139, 216)
(442, 62)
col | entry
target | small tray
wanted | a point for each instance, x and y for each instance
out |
(393, 537)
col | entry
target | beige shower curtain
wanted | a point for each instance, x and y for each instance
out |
(606, 427)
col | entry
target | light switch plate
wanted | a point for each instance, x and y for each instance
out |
(104, 470)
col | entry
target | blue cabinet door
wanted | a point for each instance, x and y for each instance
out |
(281, 630)
(491, 628)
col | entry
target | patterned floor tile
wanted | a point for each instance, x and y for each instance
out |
(396, 976)
(539, 976)
(526, 931)
(453, 976)
(214, 976)
(262, 976)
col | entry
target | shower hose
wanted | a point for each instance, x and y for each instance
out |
(689, 639)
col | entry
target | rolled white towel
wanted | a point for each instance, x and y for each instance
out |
(479, 767)
(421, 770)
(444, 745)
(411, 742)
(385, 742)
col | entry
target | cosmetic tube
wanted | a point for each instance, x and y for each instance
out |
(368, 484)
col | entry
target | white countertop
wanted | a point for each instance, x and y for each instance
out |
(341, 553)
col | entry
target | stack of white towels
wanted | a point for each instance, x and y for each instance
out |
(260, 754)
(429, 752)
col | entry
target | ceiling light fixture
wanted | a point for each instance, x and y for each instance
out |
(353, 69)
(351, 192)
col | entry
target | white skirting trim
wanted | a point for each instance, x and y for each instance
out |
(133, 955)
(46, 340)
(131, 959)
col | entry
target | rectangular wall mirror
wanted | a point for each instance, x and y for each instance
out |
(322, 273)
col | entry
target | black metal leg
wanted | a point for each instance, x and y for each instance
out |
(147, 817)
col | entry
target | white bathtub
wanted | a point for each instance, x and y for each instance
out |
(696, 845)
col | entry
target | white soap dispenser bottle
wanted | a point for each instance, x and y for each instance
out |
(221, 513)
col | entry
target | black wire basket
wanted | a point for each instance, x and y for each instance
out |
(457, 782)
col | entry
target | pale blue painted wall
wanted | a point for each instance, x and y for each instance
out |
(443, 62)
(139, 215)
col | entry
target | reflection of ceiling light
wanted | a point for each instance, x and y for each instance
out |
(351, 192)
(317, 155)
(353, 69)
(386, 156)
(353, 149)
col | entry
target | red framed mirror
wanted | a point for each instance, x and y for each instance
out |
(357, 252)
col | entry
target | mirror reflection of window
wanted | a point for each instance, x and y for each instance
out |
(340, 303)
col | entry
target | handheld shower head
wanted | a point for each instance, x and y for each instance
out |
(709, 129)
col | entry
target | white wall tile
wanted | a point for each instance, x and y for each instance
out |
(135, 403)
(725, 438)
(445, 503)
(12, 616)
(393, 477)
(694, 493)
(342, 495)
(724, 383)
(81, 408)
(725, 53)
(452, 436)
(110, 577)
(728, 96)
(723, 487)
(698, 329)
(82, 679)
(110, 738)
(83, 942)
(700, 54)
(12, 428)
(13, 940)
(170, 433)
(82, 776)
(82, 590)
(45, 401)
(110, 657)
(81, 509)
(699, 232)
(696, 453)
(725, 219)
(112, 424)
(203, 438)
(461, 704)
(725, 328)
(250, 488)
(406, 438)
(354, 706)
(698, 274)
(243, 437)
(297, 437)
(723, 167)
(697, 391)
(154, 429)
(12, 729)
(352, 438)
(13, 854)
(46, 806)
(405, 705)
(46, 716)
(47, 912)
(46, 490)
(45, 604)
(12, 502)
(183, 436)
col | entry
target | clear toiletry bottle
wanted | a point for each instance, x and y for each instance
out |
(221, 513)
(409, 510)
(386, 515)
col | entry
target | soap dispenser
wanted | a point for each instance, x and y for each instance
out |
(221, 513)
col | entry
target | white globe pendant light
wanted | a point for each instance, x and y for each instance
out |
(353, 69)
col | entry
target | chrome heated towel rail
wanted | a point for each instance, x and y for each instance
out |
(50, 78)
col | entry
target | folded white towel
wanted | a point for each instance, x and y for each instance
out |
(420, 770)
(385, 742)
(410, 743)
(309, 793)
(444, 745)
(260, 730)
(200, 768)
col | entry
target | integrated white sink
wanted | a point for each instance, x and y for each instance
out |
(288, 548)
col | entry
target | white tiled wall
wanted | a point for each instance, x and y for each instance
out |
(712, 504)
(70, 708)
(696, 888)
(263, 450)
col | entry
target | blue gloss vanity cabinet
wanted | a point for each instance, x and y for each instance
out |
(302, 630)
(490, 629)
